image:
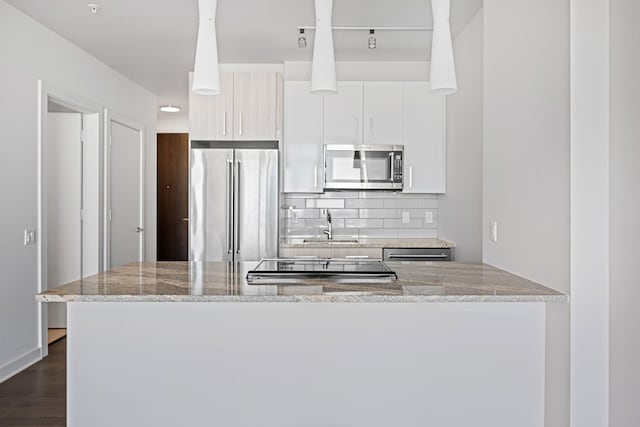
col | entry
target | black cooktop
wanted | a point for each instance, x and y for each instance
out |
(287, 270)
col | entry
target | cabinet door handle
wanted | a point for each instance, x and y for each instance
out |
(315, 177)
(443, 255)
(371, 129)
(357, 131)
(357, 257)
(410, 176)
(224, 123)
(240, 124)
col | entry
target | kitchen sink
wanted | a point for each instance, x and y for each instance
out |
(331, 242)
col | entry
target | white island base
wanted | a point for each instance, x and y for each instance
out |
(306, 364)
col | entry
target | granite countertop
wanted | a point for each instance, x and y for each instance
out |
(369, 243)
(225, 282)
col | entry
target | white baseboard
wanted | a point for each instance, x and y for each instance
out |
(19, 364)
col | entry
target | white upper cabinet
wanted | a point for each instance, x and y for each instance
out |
(382, 113)
(303, 139)
(343, 114)
(211, 117)
(424, 139)
(254, 106)
(245, 109)
(389, 113)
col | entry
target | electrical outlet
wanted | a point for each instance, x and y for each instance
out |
(295, 216)
(29, 237)
(406, 218)
(428, 217)
(494, 231)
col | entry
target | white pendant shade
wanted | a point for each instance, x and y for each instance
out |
(206, 76)
(323, 68)
(443, 70)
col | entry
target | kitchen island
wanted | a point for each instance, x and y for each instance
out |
(178, 343)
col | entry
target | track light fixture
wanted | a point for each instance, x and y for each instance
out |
(302, 39)
(372, 39)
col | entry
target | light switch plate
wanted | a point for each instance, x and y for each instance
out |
(29, 237)
(428, 217)
(295, 216)
(494, 231)
(406, 218)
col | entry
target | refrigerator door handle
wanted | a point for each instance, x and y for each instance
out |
(229, 202)
(237, 207)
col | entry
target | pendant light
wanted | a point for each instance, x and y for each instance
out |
(443, 70)
(323, 68)
(206, 76)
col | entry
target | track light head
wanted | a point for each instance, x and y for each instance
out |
(302, 39)
(372, 39)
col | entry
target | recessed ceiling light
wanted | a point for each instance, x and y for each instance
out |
(94, 8)
(169, 108)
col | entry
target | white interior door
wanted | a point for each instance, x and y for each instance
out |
(126, 228)
(64, 203)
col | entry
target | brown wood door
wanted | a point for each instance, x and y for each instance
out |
(173, 196)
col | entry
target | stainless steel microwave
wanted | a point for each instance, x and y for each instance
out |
(363, 167)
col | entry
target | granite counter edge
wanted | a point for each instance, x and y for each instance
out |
(306, 298)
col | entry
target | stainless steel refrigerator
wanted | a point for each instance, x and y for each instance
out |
(233, 204)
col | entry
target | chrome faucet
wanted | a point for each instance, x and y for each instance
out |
(329, 232)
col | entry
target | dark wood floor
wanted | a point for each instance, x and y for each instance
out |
(37, 396)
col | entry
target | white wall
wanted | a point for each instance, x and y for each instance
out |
(357, 70)
(589, 212)
(29, 52)
(64, 202)
(624, 213)
(526, 162)
(174, 122)
(460, 218)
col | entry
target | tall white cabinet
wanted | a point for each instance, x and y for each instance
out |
(423, 123)
(303, 139)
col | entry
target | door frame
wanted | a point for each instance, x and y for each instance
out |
(68, 99)
(109, 118)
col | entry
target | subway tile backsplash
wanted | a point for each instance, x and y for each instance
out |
(367, 214)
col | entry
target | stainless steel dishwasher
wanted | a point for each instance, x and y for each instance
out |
(417, 254)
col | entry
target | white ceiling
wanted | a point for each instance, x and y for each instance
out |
(153, 41)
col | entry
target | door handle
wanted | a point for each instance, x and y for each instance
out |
(240, 123)
(371, 129)
(229, 202)
(237, 207)
(391, 162)
(139, 229)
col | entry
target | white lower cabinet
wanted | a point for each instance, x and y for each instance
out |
(424, 139)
